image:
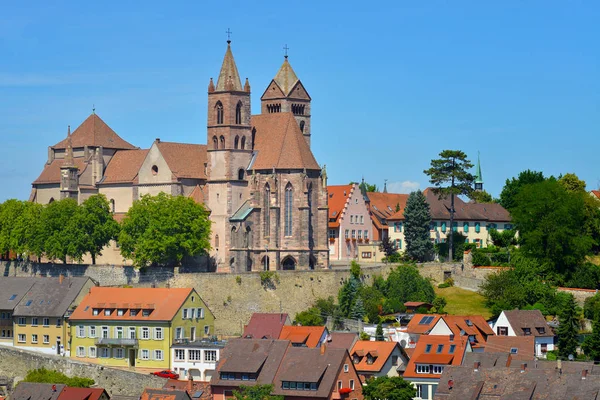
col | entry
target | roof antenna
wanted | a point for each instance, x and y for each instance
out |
(286, 48)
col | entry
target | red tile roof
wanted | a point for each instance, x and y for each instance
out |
(197, 195)
(308, 335)
(95, 132)
(478, 327)
(524, 345)
(385, 204)
(165, 303)
(444, 357)
(124, 166)
(265, 326)
(416, 327)
(51, 172)
(337, 198)
(596, 193)
(76, 393)
(381, 351)
(184, 160)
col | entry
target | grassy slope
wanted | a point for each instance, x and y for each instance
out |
(463, 302)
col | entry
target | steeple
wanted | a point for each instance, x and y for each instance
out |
(286, 78)
(229, 78)
(69, 162)
(478, 175)
(385, 186)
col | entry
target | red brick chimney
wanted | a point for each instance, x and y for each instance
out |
(61, 277)
(190, 384)
(476, 366)
(584, 374)
(323, 348)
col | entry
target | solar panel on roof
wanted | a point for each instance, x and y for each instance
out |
(426, 320)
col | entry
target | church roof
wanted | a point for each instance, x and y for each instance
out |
(229, 74)
(286, 77)
(51, 172)
(478, 175)
(197, 195)
(184, 160)
(95, 132)
(124, 166)
(279, 143)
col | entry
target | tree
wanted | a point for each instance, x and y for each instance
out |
(347, 295)
(28, 237)
(572, 183)
(358, 310)
(568, 329)
(384, 387)
(449, 174)
(481, 196)
(379, 333)
(163, 229)
(591, 307)
(458, 245)
(43, 375)
(310, 317)
(503, 239)
(591, 344)
(406, 284)
(365, 187)
(387, 246)
(258, 392)
(10, 212)
(513, 186)
(417, 221)
(372, 300)
(98, 225)
(439, 303)
(62, 232)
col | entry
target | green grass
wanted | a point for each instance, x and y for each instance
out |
(463, 302)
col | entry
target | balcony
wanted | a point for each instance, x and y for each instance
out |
(121, 342)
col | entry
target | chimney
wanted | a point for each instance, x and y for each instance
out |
(190, 384)
(450, 384)
(61, 277)
(157, 140)
(584, 374)
(323, 348)
(523, 367)
(54, 388)
(476, 366)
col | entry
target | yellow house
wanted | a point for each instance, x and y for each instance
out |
(135, 327)
(41, 319)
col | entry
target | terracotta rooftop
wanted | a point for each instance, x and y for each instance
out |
(95, 132)
(383, 205)
(51, 172)
(36, 391)
(279, 143)
(164, 394)
(532, 320)
(184, 160)
(265, 326)
(519, 347)
(435, 349)
(596, 193)
(164, 303)
(76, 393)
(342, 340)
(471, 325)
(124, 166)
(337, 198)
(421, 323)
(307, 335)
(197, 195)
(379, 351)
(198, 390)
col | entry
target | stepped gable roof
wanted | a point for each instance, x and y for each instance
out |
(12, 290)
(380, 351)
(229, 78)
(286, 78)
(519, 347)
(279, 143)
(265, 325)
(313, 366)
(77, 393)
(124, 166)
(36, 391)
(383, 205)
(184, 160)
(51, 172)
(95, 132)
(342, 340)
(337, 198)
(164, 303)
(50, 297)
(428, 351)
(420, 323)
(533, 320)
(306, 335)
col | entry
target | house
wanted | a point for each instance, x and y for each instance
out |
(413, 306)
(527, 323)
(265, 325)
(420, 324)
(196, 389)
(342, 340)
(376, 358)
(432, 354)
(475, 327)
(12, 291)
(41, 319)
(304, 336)
(197, 359)
(382, 206)
(323, 373)
(349, 222)
(519, 347)
(49, 391)
(77, 393)
(135, 327)
(165, 394)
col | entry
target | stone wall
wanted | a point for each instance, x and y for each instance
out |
(14, 363)
(579, 294)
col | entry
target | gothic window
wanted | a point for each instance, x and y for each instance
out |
(243, 145)
(241, 174)
(217, 242)
(51, 200)
(236, 142)
(215, 143)
(222, 142)
(266, 209)
(248, 237)
(154, 170)
(289, 200)
(302, 126)
(233, 237)
(219, 108)
(238, 113)
(248, 264)
(288, 263)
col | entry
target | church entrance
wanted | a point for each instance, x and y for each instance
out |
(288, 264)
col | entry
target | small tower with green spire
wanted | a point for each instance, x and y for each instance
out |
(478, 176)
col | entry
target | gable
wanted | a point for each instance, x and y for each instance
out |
(273, 92)
(154, 158)
(299, 92)
(441, 328)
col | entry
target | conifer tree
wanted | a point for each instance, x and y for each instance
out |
(567, 329)
(417, 220)
(379, 333)
(358, 310)
(591, 345)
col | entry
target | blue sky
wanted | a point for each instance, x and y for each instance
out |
(393, 83)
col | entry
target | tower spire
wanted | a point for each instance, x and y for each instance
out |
(478, 175)
(69, 150)
(229, 78)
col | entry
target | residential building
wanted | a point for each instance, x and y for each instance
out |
(519, 347)
(135, 327)
(197, 390)
(49, 391)
(77, 393)
(527, 323)
(165, 394)
(342, 340)
(12, 290)
(265, 325)
(41, 319)
(420, 324)
(382, 206)
(304, 336)
(430, 357)
(473, 327)
(595, 193)
(377, 358)
(349, 221)
(257, 174)
(197, 359)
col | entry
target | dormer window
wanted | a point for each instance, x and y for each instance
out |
(133, 313)
(541, 329)
(146, 313)
(120, 312)
(107, 312)
(370, 359)
(428, 348)
(527, 331)
(356, 359)
(95, 311)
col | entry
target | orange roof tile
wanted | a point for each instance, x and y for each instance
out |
(383, 205)
(95, 132)
(51, 172)
(279, 143)
(76, 393)
(184, 160)
(124, 166)
(478, 328)
(197, 195)
(300, 333)
(416, 327)
(443, 357)
(164, 303)
(337, 198)
(524, 345)
(382, 351)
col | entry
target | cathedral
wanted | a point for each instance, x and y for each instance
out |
(257, 176)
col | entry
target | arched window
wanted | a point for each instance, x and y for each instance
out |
(236, 142)
(248, 237)
(215, 143)
(265, 263)
(238, 113)
(289, 201)
(217, 242)
(241, 174)
(112, 206)
(302, 126)
(243, 145)
(267, 210)
(288, 263)
(219, 108)
(222, 142)
(233, 237)
(248, 264)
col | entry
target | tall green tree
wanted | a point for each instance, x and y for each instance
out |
(97, 224)
(389, 388)
(358, 310)
(347, 295)
(572, 183)
(568, 329)
(379, 333)
(417, 221)
(406, 284)
(591, 344)
(28, 234)
(512, 186)
(257, 392)
(164, 229)
(61, 230)
(503, 239)
(10, 212)
(451, 177)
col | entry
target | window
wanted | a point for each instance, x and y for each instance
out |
(215, 143)
(236, 142)
(120, 312)
(452, 348)
(22, 338)
(438, 369)
(80, 351)
(541, 329)
(210, 355)
(477, 227)
(201, 313)
(366, 235)
(421, 390)
(219, 108)
(507, 226)
(158, 333)
(241, 174)
(145, 354)
(222, 142)
(443, 227)
(107, 312)
(339, 385)
(119, 332)
(104, 352)
(433, 226)
(331, 234)
(34, 321)
(426, 320)
(178, 333)
(14, 296)
(289, 194)
(352, 384)
(28, 303)
(423, 369)
(146, 313)
(46, 321)
(366, 254)
(361, 219)
(179, 355)
(92, 331)
(206, 329)
(95, 311)
(22, 320)
(346, 368)
(145, 333)
(544, 347)
(502, 331)
(133, 313)
(80, 331)
(158, 355)
(105, 332)
(154, 170)
(440, 348)
(398, 244)
(34, 338)
(184, 313)
(346, 234)
(428, 348)
(353, 234)
(238, 113)
(527, 331)
(243, 143)
(132, 332)
(285, 385)
(514, 350)
(92, 352)
(195, 355)
(118, 352)
(46, 339)
(58, 322)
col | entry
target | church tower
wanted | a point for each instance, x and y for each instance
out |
(286, 93)
(229, 147)
(478, 176)
(69, 180)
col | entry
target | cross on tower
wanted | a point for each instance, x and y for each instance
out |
(228, 32)
(286, 48)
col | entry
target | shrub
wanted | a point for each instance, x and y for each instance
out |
(449, 281)
(443, 285)
(44, 375)
(238, 280)
(269, 278)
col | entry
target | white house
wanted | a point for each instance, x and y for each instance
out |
(197, 359)
(527, 323)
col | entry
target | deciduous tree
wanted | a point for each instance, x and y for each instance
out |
(417, 221)
(512, 186)
(28, 231)
(61, 230)
(389, 388)
(97, 224)
(481, 196)
(591, 344)
(257, 392)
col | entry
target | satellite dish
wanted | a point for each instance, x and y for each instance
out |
(571, 358)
